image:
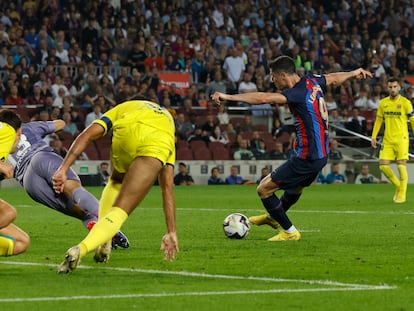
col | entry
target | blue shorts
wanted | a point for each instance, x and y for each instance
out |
(297, 172)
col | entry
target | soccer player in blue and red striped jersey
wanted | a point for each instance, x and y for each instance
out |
(305, 98)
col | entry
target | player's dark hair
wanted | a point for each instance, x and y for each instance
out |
(283, 63)
(393, 79)
(11, 118)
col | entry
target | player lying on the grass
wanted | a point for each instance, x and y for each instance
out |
(143, 148)
(35, 162)
(13, 240)
(305, 98)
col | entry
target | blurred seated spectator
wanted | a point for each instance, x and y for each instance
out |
(334, 152)
(95, 114)
(277, 128)
(334, 176)
(278, 153)
(215, 178)
(330, 101)
(36, 99)
(198, 134)
(103, 173)
(184, 128)
(365, 177)
(219, 135)
(260, 152)
(320, 179)
(182, 178)
(243, 153)
(234, 178)
(255, 140)
(14, 98)
(357, 124)
(166, 103)
(222, 115)
(209, 125)
(70, 127)
(264, 172)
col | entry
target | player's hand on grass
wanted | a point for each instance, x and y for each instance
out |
(169, 245)
(59, 179)
(6, 170)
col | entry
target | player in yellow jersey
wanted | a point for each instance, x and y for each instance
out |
(143, 148)
(395, 110)
(13, 240)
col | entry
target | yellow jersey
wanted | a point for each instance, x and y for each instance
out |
(7, 138)
(395, 114)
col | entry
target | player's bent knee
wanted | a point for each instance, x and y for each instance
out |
(21, 244)
(7, 212)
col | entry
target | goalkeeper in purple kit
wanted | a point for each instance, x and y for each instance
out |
(34, 164)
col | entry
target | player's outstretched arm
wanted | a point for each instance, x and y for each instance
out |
(91, 133)
(337, 78)
(169, 243)
(254, 98)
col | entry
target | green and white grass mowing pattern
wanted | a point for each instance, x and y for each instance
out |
(356, 253)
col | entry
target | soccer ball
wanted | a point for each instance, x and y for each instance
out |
(236, 226)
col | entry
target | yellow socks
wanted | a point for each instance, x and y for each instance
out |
(108, 197)
(6, 245)
(103, 230)
(402, 169)
(389, 173)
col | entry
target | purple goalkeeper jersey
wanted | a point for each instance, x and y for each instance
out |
(30, 143)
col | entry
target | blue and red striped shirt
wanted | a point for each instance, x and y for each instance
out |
(307, 104)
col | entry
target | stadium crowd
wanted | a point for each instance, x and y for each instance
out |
(75, 59)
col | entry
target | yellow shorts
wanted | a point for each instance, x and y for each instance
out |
(392, 152)
(133, 139)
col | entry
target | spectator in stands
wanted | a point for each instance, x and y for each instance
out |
(70, 127)
(334, 152)
(243, 153)
(218, 84)
(365, 177)
(330, 101)
(209, 125)
(334, 176)
(14, 98)
(278, 153)
(234, 66)
(103, 173)
(264, 172)
(222, 115)
(357, 124)
(215, 178)
(260, 151)
(184, 128)
(199, 134)
(36, 99)
(182, 178)
(219, 135)
(320, 179)
(95, 114)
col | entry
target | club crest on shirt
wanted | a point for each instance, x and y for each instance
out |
(399, 106)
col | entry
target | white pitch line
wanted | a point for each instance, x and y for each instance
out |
(216, 293)
(256, 209)
(213, 276)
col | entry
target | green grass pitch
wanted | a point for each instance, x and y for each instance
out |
(356, 253)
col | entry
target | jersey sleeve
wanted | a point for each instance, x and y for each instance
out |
(7, 138)
(108, 118)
